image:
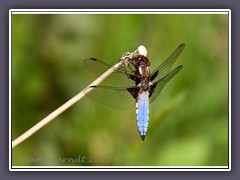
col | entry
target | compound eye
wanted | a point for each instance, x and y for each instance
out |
(142, 50)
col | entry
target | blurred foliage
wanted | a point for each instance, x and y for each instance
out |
(188, 121)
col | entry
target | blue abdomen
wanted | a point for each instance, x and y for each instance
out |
(142, 111)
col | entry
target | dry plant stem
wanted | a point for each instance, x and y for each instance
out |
(65, 106)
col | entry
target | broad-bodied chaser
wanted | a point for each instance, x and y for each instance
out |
(144, 87)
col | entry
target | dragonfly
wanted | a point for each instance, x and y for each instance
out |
(143, 86)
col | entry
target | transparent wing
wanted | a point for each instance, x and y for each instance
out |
(164, 68)
(116, 97)
(157, 87)
(118, 78)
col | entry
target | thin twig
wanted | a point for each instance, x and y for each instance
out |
(54, 114)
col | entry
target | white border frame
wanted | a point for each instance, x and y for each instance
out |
(120, 11)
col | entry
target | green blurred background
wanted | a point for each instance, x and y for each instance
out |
(188, 121)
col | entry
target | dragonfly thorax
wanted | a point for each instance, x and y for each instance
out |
(144, 71)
